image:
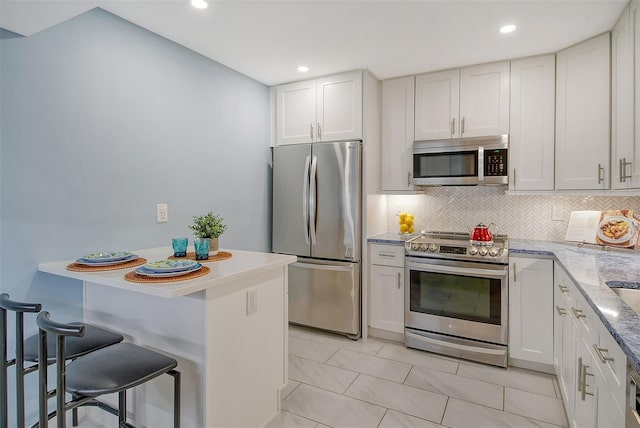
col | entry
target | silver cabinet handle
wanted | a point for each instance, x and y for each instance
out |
(620, 171)
(600, 173)
(311, 131)
(600, 352)
(408, 179)
(563, 289)
(561, 311)
(514, 177)
(579, 374)
(389, 255)
(319, 132)
(462, 126)
(399, 284)
(577, 313)
(453, 126)
(624, 175)
(585, 373)
(515, 272)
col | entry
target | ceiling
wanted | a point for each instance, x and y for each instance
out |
(267, 39)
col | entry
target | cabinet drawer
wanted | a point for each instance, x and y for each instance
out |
(387, 255)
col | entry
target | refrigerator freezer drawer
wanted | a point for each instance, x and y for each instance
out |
(325, 294)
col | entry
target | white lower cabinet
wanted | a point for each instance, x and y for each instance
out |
(590, 366)
(531, 310)
(386, 287)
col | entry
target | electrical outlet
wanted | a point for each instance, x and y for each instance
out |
(252, 301)
(162, 213)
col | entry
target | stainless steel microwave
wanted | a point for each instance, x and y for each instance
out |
(462, 162)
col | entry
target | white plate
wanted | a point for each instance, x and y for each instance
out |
(146, 272)
(631, 230)
(106, 256)
(86, 262)
(161, 266)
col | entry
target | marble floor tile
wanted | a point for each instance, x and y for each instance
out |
(395, 396)
(371, 365)
(310, 349)
(320, 375)
(462, 414)
(512, 377)
(302, 332)
(369, 346)
(475, 391)
(419, 358)
(393, 419)
(332, 409)
(535, 406)
(288, 389)
(289, 420)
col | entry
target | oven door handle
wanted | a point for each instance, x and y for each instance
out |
(485, 273)
(456, 345)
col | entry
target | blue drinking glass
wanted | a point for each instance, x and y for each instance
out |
(202, 248)
(179, 246)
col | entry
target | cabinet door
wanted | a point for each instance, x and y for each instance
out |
(622, 139)
(397, 133)
(609, 412)
(531, 310)
(634, 17)
(560, 316)
(437, 105)
(339, 107)
(582, 115)
(484, 100)
(387, 298)
(296, 112)
(532, 134)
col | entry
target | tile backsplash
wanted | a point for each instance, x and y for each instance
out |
(519, 216)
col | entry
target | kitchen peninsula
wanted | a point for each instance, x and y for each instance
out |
(233, 360)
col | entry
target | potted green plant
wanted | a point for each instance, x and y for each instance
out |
(209, 226)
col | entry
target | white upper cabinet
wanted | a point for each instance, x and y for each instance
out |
(623, 161)
(635, 22)
(397, 134)
(326, 109)
(437, 105)
(532, 133)
(469, 102)
(582, 115)
(484, 100)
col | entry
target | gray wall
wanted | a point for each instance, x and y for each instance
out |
(100, 120)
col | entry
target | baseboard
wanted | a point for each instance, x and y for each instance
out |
(386, 335)
(530, 365)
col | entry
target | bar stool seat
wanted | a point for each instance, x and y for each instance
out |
(113, 369)
(94, 338)
(116, 368)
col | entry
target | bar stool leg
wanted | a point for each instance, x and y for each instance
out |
(176, 397)
(4, 388)
(42, 380)
(122, 408)
(20, 368)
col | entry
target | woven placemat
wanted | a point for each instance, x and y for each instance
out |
(77, 267)
(191, 255)
(135, 277)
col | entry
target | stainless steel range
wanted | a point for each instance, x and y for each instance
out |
(456, 296)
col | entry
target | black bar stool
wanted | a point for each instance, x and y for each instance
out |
(115, 368)
(27, 351)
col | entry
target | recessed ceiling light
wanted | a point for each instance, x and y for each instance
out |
(303, 69)
(199, 4)
(507, 28)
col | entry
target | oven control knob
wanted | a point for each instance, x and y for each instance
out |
(424, 247)
(483, 251)
(494, 252)
(433, 248)
(415, 247)
(473, 250)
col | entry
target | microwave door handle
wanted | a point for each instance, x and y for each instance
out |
(313, 200)
(484, 273)
(480, 165)
(305, 199)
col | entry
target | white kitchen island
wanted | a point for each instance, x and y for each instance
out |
(233, 363)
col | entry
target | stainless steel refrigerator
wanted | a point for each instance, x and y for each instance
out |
(317, 216)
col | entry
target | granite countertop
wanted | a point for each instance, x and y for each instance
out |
(391, 238)
(595, 271)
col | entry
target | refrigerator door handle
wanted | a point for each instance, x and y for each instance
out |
(305, 199)
(335, 268)
(312, 200)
